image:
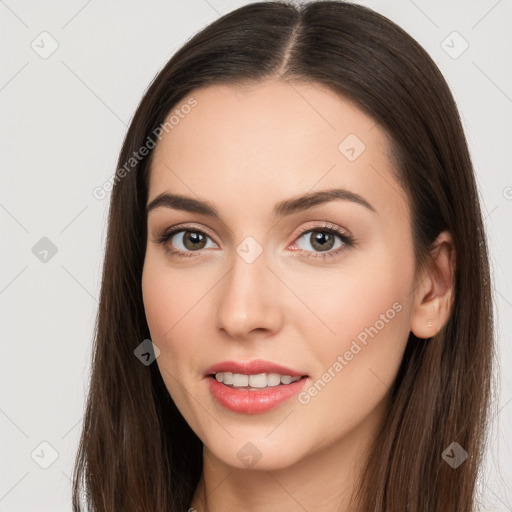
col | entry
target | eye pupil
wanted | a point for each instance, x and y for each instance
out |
(322, 240)
(192, 239)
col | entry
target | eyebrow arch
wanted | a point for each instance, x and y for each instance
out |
(281, 209)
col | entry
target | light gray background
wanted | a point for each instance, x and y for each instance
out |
(63, 121)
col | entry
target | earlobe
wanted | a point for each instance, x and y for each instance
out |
(434, 296)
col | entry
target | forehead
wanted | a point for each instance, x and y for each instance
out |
(274, 140)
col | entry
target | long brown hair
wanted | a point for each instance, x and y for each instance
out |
(136, 451)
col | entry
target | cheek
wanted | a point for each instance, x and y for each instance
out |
(159, 303)
(176, 306)
(168, 297)
(365, 310)
(165, 305)
(164, 308)
(366, 292)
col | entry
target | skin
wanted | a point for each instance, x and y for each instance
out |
(244, 150)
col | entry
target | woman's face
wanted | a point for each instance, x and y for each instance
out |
(267, 278)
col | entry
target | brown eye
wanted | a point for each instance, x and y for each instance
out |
(189, 240)
(320, 240)
(184, 241)
(193, 240)
(324, 241)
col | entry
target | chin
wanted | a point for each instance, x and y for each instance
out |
(258, 455)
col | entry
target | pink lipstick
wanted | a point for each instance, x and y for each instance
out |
(253, 387)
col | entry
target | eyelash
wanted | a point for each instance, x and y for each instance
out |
(348, 240)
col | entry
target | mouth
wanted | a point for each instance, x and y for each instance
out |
(254, 382)
(255, 374)
(253, 387)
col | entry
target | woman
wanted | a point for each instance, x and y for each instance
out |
(295, 311)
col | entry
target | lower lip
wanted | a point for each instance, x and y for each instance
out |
(253, 402)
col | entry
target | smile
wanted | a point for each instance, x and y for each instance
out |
(253, 400)
(252, 382)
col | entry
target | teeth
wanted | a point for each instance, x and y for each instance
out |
(261, 380)
(240, 380)
(258, 381)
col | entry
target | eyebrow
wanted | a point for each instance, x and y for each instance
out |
(281, 209)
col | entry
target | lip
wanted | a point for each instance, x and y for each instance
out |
(253, 402)
(257, 401)
(252, 368)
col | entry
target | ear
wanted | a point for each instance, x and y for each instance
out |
(433, 296)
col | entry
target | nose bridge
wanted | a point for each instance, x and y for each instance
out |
(249, 298)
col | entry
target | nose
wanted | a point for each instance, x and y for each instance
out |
(249, 300)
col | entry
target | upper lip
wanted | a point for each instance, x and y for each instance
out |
(252, 368)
